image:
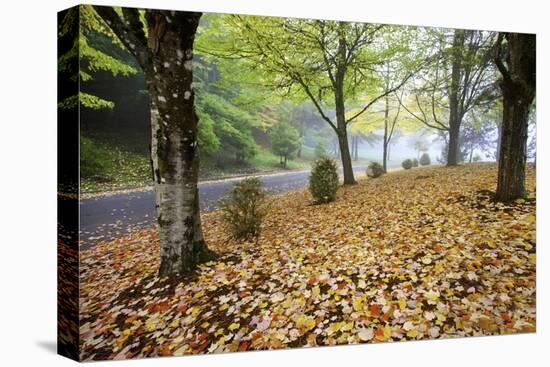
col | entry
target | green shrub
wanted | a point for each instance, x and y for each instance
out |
(425, 159)
(244, 209)
(323, 181)
(477, 158)
(375, 170)
(407, 164)
(415, 162)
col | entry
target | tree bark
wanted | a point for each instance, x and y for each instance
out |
(341, 124)
(174, 145)
(518, 87)
(499, 139)
(166, 58)
(355, 147)
(455, 113)
(386, 132)
(343, 144)
(346, 157)
(454, 137)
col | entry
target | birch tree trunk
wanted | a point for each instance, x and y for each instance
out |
(166, 58)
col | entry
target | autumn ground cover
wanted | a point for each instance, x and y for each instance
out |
(418, 254)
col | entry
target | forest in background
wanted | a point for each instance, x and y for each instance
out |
(249, 123)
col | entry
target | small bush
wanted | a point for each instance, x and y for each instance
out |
(415, 162)
(244, 209)
(425, 159)
(323, 181)
(407, 164)
(375, 170)
(477, 158)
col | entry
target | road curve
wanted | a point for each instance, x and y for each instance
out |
(106, 218)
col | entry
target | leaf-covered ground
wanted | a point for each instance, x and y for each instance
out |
(416, 254)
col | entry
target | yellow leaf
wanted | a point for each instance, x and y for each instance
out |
(347, 326)
(234, 326)
(402, 303)
(175, 323)
(432, 295)
(316, 291)
(151, 325)
(387, 331)
(305, 323)
(358, 304)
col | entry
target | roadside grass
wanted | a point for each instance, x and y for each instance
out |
(267, 161)
(106, 167)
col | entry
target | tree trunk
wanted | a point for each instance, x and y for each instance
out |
(166, 58)
(346, 158)
(284, 163)
(452, 154)
(499, 139)
(455, 115)
(341, 125)
(174, 146)
(518, 89)
(355, 148)
(385, 142)
(511, 172)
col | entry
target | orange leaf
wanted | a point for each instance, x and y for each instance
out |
(244, 346)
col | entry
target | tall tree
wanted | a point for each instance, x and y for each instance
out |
(165, 54)
(458, 79)
(327, 62)
(285, 141)
(515, 58)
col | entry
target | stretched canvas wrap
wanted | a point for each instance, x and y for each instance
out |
(230, 183)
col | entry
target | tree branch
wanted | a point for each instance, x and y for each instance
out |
(423, 120)
(315, 102)
(386, 92)
(498, 58)
(129, 31)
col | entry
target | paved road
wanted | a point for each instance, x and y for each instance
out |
(106, 218)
